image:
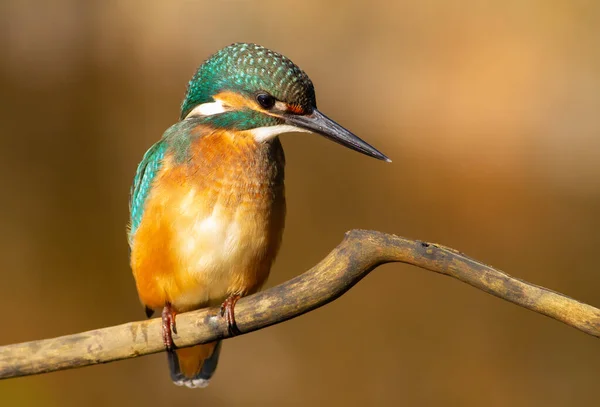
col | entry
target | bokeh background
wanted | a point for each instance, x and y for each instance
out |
(489, 110)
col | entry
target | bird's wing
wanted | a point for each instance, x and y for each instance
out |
(142, 182)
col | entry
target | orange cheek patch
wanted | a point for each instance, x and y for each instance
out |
(235, 100)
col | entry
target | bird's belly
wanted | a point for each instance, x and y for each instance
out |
(222, 250)
(211, 226)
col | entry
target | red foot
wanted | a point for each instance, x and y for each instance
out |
(227, 312)
(168, 326)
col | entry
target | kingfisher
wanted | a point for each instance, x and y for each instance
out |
(207, 204)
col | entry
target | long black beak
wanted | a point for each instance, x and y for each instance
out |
(317, 122)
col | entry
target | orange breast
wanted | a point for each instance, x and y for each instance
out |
(212, 226)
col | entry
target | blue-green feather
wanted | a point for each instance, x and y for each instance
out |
(142, 183)
(247, 69)
(176, 141)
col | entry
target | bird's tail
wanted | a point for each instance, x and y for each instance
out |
(193, 367)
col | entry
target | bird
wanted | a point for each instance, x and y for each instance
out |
(207, 205)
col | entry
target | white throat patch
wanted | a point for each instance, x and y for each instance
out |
(267, 133)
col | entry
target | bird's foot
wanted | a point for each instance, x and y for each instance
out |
(228, 313)
(168, 326)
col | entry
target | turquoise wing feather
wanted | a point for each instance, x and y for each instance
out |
(142, 183)
(176, 140)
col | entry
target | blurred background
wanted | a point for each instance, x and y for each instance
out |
(489, 111)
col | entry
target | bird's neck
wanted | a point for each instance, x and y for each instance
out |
(235, 158)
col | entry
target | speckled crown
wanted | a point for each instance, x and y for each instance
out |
(249, 68)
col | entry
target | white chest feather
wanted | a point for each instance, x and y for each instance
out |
(220, 247)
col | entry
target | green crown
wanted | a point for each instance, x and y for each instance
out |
(247, 69)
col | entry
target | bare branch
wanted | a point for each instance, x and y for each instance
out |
(360, 252)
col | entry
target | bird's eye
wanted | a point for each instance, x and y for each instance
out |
(265, 100)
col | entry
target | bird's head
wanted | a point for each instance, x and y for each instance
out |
(249, 87)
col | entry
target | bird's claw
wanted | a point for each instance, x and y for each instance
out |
(228, 313)
(169, 327)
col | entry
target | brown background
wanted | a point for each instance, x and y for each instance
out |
(488, 109)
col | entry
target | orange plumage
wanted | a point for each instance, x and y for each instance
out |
(211, 228)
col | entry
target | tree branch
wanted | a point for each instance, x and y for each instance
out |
(360, 252)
